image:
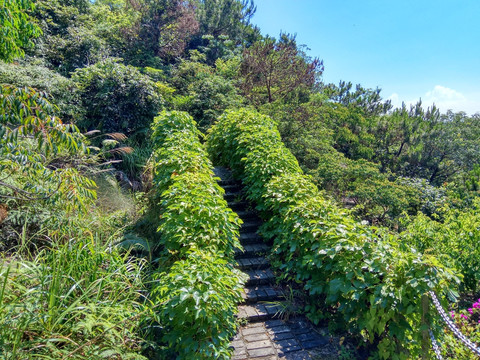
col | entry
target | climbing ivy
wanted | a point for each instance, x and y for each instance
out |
(198, 284)
(201, 293)
(360, 277)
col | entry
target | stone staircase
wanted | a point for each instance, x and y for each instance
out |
(265, 335)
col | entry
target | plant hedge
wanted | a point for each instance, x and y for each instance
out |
(360, 277)
(455, 240)
(199, 287)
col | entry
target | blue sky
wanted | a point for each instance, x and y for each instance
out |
(427, 49)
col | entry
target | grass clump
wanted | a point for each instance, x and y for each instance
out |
(79, 299)
(67, 291)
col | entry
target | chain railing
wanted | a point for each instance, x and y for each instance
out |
(435, 347)
(451, 325)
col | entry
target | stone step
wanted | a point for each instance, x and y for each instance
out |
(265, 337)
(253, 263)
(250, 238)
(260, 277)
(277, 339)
(250, 226)
(247, 214)
(254, 294)
(251, 250)
(232, 196)
(238, 205)
(233, 188)
(259, 312)
(229, 182)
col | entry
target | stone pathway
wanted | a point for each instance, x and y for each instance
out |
(265, 336)
(276, 339)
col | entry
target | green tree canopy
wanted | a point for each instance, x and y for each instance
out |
(272, 70)
(17, 28)
(117, 98)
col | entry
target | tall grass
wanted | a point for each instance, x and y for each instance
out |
(67, 289)
(78, 300)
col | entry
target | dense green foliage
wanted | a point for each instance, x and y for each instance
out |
(198, 285)
(66, 291)
(455, 240)
(205, 92)
(17, 28)
(32, 142)
(79, 33)
(62, 91)
(107, 67)
(372, 280)
(117, 98)
(379, 161)
(272, 70)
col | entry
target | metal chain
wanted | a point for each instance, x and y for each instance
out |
(435, 346)
(452, 326)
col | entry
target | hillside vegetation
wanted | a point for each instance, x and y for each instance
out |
(115, 239)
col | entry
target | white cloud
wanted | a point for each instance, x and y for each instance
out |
(444, 94)
(445, 99)
(395, 99)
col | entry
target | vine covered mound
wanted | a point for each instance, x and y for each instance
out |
(362, 278)
(197, 284)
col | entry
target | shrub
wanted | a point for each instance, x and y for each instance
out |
(432, 199)
(370, 281)
(375, 198)
(17, 28)
(117, 98)
(178, 148)
(455, 240)
(61, 89)
(203, 92)
(468, 321)
(32, 140)
(198, 286)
